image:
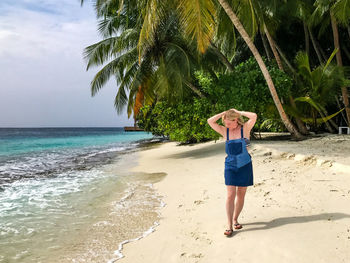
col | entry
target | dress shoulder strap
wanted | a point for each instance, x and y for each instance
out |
(242, 132)
(227, 137)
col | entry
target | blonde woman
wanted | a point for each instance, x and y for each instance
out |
(238, 164)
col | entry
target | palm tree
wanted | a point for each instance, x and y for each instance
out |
(290, 127)
(317, 84)
(267, 17)
(198, 21)
(161, 67)
(334, 11)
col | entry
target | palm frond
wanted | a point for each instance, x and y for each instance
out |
(303, 65)
(320, 120)
(120, 100)
(198, 21)
(310, 101)
(341, 11)
(99, 53)
(111, 69)
(153, 13)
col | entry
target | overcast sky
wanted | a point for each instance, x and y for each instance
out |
(43, 81)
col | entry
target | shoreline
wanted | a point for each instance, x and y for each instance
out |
(192, 222)
(129, 213)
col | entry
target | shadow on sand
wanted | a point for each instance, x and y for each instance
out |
(203, 152)
(295, 220)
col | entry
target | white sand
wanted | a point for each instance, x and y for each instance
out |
(297, 211)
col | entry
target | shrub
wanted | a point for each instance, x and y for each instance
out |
(244, 89)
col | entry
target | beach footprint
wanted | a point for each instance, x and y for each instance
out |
(205, 195)
(201, 237)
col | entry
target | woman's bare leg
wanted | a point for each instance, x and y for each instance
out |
(239, 202)
(230, 204)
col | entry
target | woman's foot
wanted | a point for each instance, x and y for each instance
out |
(228, 232)
(237, 226)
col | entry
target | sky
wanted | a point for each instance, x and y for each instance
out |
(43, 77)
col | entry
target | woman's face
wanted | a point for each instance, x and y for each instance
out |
(231, 124)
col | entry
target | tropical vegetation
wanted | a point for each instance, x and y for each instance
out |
(178, 62)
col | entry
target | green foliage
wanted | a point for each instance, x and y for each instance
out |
(272, 125)
(183, 122)
(317, 85)
(244, 89)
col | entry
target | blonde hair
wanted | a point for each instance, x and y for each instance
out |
(232, 115)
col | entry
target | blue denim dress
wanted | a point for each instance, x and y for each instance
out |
(238, 164)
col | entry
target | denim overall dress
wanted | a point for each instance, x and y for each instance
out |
(238, 163)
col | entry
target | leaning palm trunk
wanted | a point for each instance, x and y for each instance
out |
(286, 61)
(194, 89)
(346, 51)
(329, 128)
(336, 127)
(290, 127)
(314, 44)
(340, 107)
(300, 124)
(272, 43)
(307, 42)
(344, 90)
(265, 46)
(223, 58)
(273, 48)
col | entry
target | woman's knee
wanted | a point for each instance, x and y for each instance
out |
(241, 193)
(231, 193)
(231, 196)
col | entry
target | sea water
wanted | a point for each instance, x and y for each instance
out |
(66, 194)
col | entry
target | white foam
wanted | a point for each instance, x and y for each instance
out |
(118, 253)
(103, 223)
(25, 202)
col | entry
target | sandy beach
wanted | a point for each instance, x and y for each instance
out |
(297, 210)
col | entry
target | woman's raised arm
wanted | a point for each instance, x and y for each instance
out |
(248, 125)
(216, 127)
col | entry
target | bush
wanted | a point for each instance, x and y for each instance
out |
(244, 89)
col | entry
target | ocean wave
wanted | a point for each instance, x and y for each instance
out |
(50, 164)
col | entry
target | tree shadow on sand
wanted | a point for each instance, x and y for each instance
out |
(295, 220)
(203, 152)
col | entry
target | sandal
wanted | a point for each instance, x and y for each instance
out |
(228, 232)
(237, 226)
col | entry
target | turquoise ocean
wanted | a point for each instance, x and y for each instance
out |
(67, 194)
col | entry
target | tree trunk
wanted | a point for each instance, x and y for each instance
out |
(313, 41)
(346, 51)
(194, 89)
(272, 43)
(273, 48)
(222, 57)
(342, 113)
(290, 127)
(307, 39)
(329, 128)
(344, 90)
(335, 126)
(267, 51)
(301, 126)
(285, 59)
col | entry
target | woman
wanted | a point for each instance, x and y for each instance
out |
(238, 165)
